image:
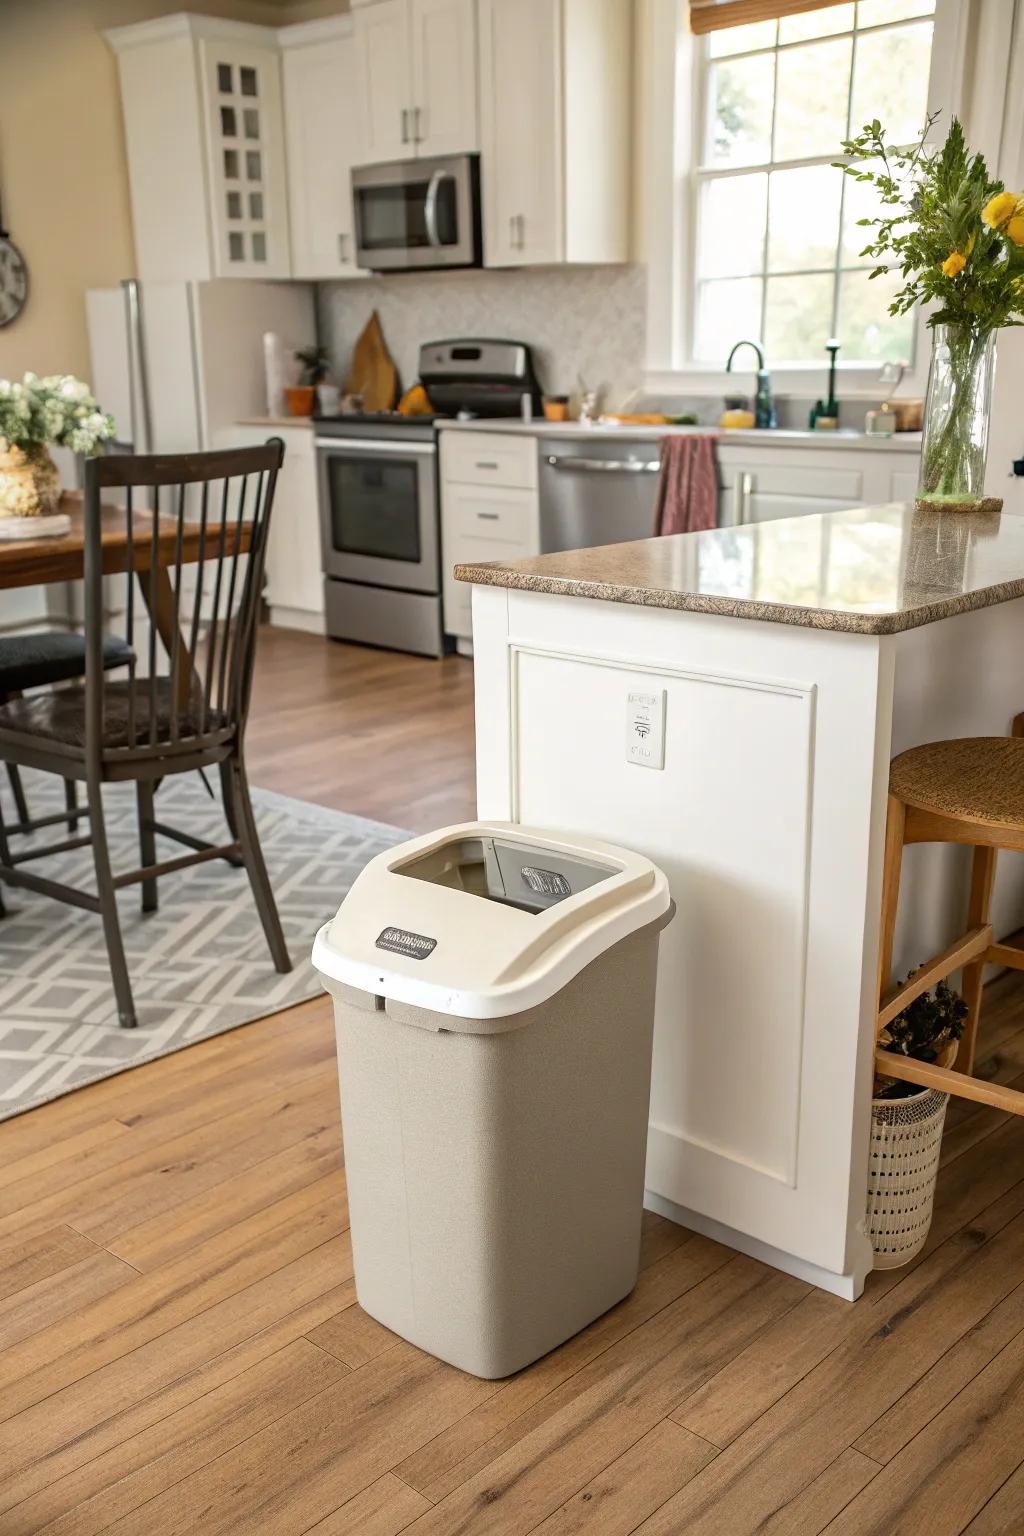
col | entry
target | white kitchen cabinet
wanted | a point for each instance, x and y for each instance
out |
(783, 481)
(489, 511)
(204, 133)
(416, 66)
(555, 101)
(444, 76)
(294, 587)
(322, 134)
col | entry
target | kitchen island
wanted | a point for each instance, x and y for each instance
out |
(727, 703)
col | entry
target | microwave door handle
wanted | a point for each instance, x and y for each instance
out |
(430, 207)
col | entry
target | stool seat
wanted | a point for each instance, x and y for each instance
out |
(974, 778)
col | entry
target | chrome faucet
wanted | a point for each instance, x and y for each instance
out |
(764, 404)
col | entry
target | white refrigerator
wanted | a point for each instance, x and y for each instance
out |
(176, 364)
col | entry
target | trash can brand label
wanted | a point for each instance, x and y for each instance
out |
(401, 942)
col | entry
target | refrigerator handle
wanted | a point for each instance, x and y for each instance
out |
(138, 381)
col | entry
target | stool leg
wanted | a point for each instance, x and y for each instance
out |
(983, 872)
(894, 826)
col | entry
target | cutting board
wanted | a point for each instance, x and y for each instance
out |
(373, 373)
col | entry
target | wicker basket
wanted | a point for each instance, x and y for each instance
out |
(903, 1164)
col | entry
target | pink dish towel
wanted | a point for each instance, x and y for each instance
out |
(687, 484)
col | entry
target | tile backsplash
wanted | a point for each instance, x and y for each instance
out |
(585, 321)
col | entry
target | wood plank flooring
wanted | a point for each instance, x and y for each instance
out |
(183, 1352)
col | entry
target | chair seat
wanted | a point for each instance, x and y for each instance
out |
(59, 717)
(33, 661)
(973, 778)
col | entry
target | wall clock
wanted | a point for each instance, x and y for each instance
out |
(13, 278)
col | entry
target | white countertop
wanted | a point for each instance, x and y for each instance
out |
(275, 421)
(900, 442)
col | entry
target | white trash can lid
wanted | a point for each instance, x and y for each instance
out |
(486, 919)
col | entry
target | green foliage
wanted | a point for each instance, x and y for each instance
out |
(932, 203)
(58, 409)
(923, 1030)
(314, 364)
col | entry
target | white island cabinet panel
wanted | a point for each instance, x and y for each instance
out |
(762, 1037)
(726, 1070)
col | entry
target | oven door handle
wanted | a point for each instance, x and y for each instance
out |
(372, 445)
(430, 207)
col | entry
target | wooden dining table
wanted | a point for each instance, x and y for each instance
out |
(61, 557)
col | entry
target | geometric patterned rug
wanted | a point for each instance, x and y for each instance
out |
(199, 965)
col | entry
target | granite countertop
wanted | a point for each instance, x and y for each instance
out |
(900, 442)
(867, 571)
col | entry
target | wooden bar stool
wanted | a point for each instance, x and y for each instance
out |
(965, 791)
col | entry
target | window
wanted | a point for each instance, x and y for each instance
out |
(777, 240)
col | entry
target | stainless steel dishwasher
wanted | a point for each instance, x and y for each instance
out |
(597, 491)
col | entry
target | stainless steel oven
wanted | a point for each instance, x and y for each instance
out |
(379, 533)
(412, 214)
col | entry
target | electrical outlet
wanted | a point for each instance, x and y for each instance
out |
(645, 728)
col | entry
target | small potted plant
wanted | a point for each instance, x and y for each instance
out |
(301, 396)
(34, 414)
(906, 1128)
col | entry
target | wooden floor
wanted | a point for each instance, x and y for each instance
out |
(183, 1352)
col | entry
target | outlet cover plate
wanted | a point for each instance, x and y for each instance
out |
(645, 727)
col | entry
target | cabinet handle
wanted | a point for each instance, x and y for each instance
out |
(417, 133)
(343, 256)
(741, 498)
(489, 517)
(485, 464)
(521, 227)
(405, 125)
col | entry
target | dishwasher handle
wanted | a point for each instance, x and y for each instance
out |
(605, 466)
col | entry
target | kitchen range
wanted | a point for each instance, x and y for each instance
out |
(379, 500)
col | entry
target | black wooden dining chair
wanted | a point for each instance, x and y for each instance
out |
(185, 702)
(39, 661)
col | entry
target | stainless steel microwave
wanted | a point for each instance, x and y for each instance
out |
(416, 214)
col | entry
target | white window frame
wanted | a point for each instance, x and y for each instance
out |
(671, 132)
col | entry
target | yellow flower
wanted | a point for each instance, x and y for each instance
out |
(999, 209)
(955, 262)
(1015, 229)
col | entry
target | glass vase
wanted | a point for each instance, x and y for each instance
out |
(956, 418)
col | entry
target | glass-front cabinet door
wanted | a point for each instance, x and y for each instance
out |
(245, 146)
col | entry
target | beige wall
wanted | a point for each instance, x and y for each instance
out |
(63, 177)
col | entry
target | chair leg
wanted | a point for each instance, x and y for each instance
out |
(147, 841)
(234, 859)
(240, 809)
(71, 804)
(18, 791)
(5, 858)
(108, 907)
(892, 867)
(983, 871)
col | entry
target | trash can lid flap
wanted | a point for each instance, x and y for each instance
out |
(486, 919)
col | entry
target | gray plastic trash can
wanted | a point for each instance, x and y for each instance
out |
(494, 1001)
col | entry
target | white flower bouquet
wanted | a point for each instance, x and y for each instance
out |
(58, 409)
(34, 414)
